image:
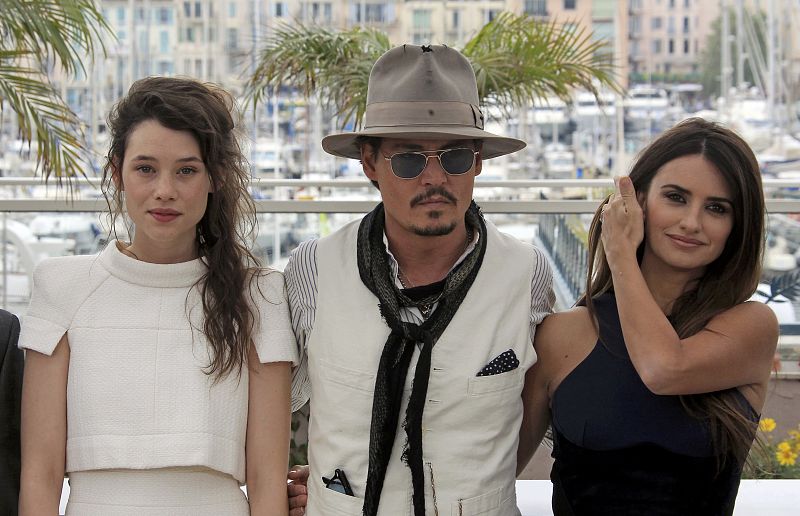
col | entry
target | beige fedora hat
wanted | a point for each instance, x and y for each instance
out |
(425, 93)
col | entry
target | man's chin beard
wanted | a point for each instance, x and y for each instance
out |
(434, 231)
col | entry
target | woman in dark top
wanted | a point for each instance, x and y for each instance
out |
(655, 380)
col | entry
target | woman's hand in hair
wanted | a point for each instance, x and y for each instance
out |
(622, 222)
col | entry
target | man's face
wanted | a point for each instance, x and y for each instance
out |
(431, 204)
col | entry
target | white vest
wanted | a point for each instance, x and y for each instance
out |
(470, 424)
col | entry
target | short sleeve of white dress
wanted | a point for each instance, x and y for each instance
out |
(273, 336)
(58, 288)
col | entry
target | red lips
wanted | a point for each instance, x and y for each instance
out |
(164, 214)
(685, 241)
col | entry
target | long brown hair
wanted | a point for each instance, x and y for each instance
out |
(206, 112)
(729, 280)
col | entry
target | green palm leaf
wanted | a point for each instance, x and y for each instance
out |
(335, 64)
(516, 59)
(38, 35)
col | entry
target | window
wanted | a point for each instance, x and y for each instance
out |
(279, 9)
(375, 13)
(232, 39)
(190, 34)
(231, 9)
(187, 9)
(671, 4)
(656, 23)
(569, 4)
(421, 19)
(656, 46)
(143, 46)
(164, 15)
(455, 18)
(198, 9)
(536, 7)
(327, 12)
(685, 24)
(121, 15)
(634, 24)
(165, 68)
(671, 47)
(685, 46)
(141, 15)
(686, 3)
(671, 25)
(490, 14)
(198, 68)
(163, 42)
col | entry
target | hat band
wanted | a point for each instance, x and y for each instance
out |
(399, 114)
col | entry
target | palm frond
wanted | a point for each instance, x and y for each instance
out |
(518, 58)
(786, 284)
(515, 58)
(37, 35)
(67, 30)
(314, 59)
(44, 119)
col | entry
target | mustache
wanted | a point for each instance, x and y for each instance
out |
(432, 192)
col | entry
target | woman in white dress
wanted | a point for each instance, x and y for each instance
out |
(157, 372)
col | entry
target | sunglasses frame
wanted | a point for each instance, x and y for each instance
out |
(431, 154)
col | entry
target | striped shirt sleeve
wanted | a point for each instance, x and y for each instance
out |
(301, 286)
(543, 296)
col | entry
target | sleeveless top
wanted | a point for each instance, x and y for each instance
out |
(619, 449)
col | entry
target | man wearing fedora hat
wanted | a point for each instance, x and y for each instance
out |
(416, 322)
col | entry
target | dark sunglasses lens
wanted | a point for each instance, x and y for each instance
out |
(408, 165)
(457, 161)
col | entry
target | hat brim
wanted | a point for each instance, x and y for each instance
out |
(344, 144)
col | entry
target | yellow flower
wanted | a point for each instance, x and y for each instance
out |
(767, 424)
(785, 446)
(795, 435)
(786, 457)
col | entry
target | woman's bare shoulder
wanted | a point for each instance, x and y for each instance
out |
(562, 329)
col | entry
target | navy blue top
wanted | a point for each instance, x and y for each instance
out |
(621, 450)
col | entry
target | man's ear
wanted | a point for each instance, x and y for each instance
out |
(368, 162)
(478, 163)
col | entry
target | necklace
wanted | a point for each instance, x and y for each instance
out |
(426, 309)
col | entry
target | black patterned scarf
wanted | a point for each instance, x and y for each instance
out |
(373, 266)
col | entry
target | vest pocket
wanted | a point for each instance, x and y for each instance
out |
(347, 377)
(498, 502)
(494, 384)
(334, 503)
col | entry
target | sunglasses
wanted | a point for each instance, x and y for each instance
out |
(408, 165)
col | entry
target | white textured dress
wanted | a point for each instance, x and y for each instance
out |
(148, 431)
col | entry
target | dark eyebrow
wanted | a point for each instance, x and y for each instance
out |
(187, 159)
(687, 192)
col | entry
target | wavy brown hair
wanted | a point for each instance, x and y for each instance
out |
(207, 112)
(731, 279)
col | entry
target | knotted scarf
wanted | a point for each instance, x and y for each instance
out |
(375, 272)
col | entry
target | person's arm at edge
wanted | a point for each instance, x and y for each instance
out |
(535, 417)
(44, 430)
(300, 275)
(268, 428)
